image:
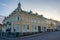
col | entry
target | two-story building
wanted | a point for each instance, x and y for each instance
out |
(23, 21)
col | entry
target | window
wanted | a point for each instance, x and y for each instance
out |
(44, 28)
(33, 20)
(12, 20)
(24, 26)
(17, 18)
(32, 27)
(28, 27)
(35, 28)
(17, 27)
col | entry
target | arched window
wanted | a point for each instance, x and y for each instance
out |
(17, 18)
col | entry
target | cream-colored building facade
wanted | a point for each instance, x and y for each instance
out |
(23, 21)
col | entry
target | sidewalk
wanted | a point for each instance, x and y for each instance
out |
(29, 36)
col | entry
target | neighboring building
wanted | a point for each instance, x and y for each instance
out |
(57, 25)
(51, 25)
(0, 28)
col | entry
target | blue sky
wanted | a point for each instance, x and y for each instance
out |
(49, 8)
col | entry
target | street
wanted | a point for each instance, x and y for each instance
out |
(41, 36)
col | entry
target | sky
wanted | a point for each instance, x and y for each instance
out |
(48, 8)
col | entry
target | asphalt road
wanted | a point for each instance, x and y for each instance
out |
(41, 36)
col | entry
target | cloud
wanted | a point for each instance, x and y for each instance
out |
(17, 0)
(3, 4)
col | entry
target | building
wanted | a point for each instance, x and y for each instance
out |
(23, 21)
(27, 22)
(0, 28)
(51, 25)
(57, 25)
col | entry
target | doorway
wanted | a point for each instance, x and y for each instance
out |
(39, 28)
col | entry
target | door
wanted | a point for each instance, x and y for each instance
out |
(44, 29)
(39, 28)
